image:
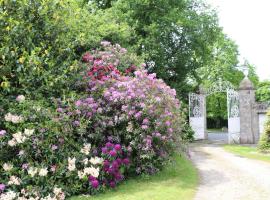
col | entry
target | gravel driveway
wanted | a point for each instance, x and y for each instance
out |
(224, 176)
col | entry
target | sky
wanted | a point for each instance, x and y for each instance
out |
(247, 22)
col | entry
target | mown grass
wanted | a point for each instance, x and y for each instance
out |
(248, 152)
(178, 181)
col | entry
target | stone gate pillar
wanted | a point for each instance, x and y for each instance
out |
(247, 114)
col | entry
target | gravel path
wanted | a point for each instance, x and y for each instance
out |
(224, 176)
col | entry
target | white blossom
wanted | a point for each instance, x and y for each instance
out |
(96, 160)
(81, 174)
(85, 161)
(19, 137)
(91, 171)
(43, 172)
(129, 127)
(20, 98)
(13, 180)
(86, 149)
(57, 190)
(13, 118)
(10, 195)
(71, 164)
(12, 142)
(28, 132)
(7, 167)
(32, 171)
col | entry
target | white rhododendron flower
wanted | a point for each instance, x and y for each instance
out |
(12, 142)
(28, 132)
(20, 98)
(96, 160)
(32, 171)
(13, 118)
(86, 149)
(10, 195)
(129, 127)
(19, 137)
(7, 167)
(85, 161)
(22, 198)
(13, 180)
(71, 164)
(49, 197)
(8, 117)
(57, 190)
(43, 172)
(81, 174)
(91, 171)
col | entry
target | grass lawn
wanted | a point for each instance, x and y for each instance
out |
(178, 181)
(249, 152)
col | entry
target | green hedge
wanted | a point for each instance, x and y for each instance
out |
(41, 41)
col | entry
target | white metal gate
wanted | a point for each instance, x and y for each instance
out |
(197, 111)
(197, 115)
(233, 117)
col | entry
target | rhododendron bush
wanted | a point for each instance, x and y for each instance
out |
(123, 123)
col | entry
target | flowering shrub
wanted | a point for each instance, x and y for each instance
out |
(125, 123)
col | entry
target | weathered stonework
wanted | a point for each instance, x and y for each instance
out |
(247, 118)
(250, 113)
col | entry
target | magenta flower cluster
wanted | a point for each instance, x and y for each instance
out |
(142, 111)
(115, 162)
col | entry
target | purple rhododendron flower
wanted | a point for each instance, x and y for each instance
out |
(25, 166)
(109, 145)
(113, 153)
(117, 147)
(2, 187)
(112, 184)
(95, 184)
(53, 168)
(168, 123)
(91, 178)
(104, 150)
(2, 133)
(119, 161)
(76, 123)
(145, 121)
(115, 164)
(144, 127)
(126, 161)
(60, 110)
(54, 147)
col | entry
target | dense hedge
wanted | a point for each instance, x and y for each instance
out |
(41, 42)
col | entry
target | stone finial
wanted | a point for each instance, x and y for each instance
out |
(246, 84)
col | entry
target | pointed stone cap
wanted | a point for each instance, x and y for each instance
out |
(246, 84)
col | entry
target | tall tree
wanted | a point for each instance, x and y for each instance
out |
(174, 36)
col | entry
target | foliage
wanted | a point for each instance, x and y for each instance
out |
(223, 67)
(174, 37)
(263, 91)
(122, 124)
(168, 184)
(41, 40)
(264, 144)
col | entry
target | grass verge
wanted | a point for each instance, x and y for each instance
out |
(248, 152)
(178, 181)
